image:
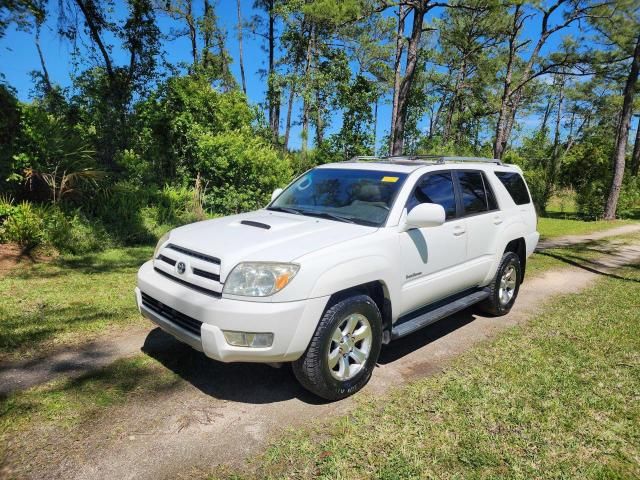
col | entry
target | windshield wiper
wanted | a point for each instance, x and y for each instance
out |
(332, 216)
(286, 210)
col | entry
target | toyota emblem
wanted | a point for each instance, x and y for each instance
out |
(181, 267)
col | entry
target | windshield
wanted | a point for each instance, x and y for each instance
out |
(355, 196)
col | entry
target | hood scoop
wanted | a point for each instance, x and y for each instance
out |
(251, 223)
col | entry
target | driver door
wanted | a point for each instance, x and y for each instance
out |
(432, 257)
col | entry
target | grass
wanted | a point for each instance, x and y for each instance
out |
(61, 302)
(68, 402)
(582, 253)
(555, 399)
(554, 226)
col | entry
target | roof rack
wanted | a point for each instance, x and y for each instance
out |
(437, 159)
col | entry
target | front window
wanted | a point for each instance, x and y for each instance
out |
(435, 188)
(364, 197)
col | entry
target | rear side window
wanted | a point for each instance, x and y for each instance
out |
(475, 199)
(516, 187)
(435, 188)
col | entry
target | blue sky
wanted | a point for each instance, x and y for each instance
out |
(18, 57)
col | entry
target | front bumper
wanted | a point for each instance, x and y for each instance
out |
(292, 323)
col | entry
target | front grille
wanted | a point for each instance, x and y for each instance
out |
(198, 288)
(191, 253)
(205, 274)
(168, 260)
(179, 319)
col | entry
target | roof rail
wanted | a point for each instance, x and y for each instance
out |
(437, 159)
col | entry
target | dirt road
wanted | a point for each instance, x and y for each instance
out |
(224, 414)
(76, 361)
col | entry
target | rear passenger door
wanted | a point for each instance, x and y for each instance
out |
(483, 222)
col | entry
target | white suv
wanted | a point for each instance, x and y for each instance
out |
(348, 257)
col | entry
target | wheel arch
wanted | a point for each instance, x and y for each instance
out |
(519, 247)
(377, 290)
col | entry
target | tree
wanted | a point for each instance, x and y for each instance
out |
(274, 94)
(241, 59)
(622, 134)
(521, 69)
(635, 156)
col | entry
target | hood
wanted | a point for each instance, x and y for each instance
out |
(263, 235)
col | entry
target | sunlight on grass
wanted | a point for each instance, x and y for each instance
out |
(51, 303)
(581, 253)
(556, 398)
(558, 227)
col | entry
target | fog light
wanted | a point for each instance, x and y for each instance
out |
(247, 339)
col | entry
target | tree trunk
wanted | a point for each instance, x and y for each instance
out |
(407, 81)
(273, 91)
(375, 125)
(87, 7)
(241, 58)
(545, 116)
(193, 36)
(451, 110)
(402, 14)
(319, 121)
(45, 73)
(554, 161)
(635, 157)
(623, 135)
(287, 129)
(305, 97)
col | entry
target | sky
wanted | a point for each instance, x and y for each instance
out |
(18, 57)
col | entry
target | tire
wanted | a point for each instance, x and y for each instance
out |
(501, 296)
(333, 381)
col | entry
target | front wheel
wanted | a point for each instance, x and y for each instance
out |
(344, 349)
(505, 286)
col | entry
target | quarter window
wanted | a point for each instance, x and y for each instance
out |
(476, 193)
(516, 187)
(435, 188)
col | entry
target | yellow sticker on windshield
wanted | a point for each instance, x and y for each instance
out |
(390, 179)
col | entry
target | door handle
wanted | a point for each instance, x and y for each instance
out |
(497, 220)
(457, 231)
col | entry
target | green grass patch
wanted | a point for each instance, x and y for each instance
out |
(46, 304)
(556, 226)
(557, 398)
(68, 403)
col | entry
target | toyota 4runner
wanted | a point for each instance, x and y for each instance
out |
(348, 257)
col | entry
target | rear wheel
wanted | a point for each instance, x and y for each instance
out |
(504, 288)
(344, 349)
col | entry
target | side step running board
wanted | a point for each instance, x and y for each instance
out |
(420, 319)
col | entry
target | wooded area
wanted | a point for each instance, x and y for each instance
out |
(134, 146)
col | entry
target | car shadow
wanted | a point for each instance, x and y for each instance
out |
(256, 383)
(252, 383)
(416, 340)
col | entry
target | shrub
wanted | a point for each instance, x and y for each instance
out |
(591, 198)
(537, 181)
(240, 170)
(119, 208)
(74, 233)
(24, 226)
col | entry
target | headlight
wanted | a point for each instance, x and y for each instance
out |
(259, 279)
(160, 243)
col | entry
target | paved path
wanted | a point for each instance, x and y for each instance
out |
(226, 413)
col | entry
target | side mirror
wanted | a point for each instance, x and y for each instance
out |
(275, 193)
(425, 215)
